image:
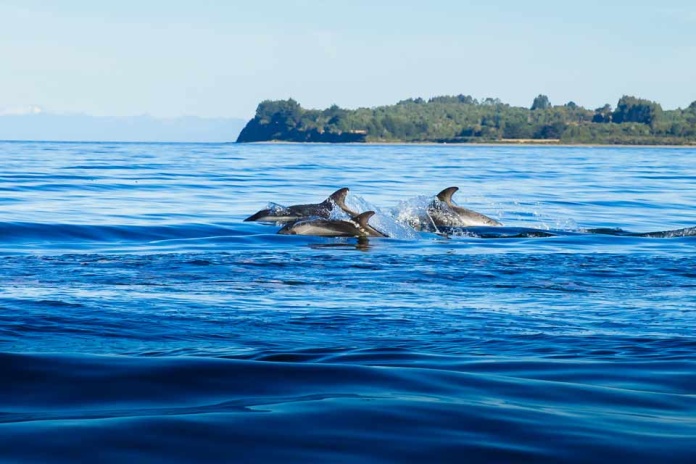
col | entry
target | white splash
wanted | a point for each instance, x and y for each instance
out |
(384, 221)
(414, 213)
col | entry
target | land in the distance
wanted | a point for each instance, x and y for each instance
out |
(464, 119)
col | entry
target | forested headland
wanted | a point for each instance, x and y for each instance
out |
(464, 119)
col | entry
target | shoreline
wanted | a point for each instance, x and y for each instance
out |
(478, 144)
(282, 142)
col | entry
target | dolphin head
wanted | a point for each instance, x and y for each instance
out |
(276, 213)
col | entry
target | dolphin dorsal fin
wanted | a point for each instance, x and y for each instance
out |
(362, 218)
(339, 196)
(339, 199)
(446, 195)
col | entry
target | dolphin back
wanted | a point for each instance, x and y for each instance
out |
(299, 212)
(447, 214)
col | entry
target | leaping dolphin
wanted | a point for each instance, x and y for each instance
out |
(446, 214)
(298, 212)
(357, 226)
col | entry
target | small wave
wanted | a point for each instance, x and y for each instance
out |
(15, 232)
(411, 408)
(676, 233)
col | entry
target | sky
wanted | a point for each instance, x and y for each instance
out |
(221, 58)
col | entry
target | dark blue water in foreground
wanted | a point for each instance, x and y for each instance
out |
(141, 319)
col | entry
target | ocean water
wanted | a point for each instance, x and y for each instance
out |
(142, 319)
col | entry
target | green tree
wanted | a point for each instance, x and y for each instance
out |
(550, 131)
(603, 114)
(282, 111)
(462, 118)
(541, 102)
(632, 109)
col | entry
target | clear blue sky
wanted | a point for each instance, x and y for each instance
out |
(220, 58)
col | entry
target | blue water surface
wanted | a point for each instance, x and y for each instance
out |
(142, 319)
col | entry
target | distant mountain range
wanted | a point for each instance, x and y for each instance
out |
(36, 125)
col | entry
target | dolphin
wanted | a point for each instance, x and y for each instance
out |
(526, 232)
(444, 213)
(298, 212)
(357, 226)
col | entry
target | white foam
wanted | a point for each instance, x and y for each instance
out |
(384, 221)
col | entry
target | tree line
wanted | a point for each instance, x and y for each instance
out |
(462, 119)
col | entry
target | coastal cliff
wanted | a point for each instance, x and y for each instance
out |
(286, 121)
